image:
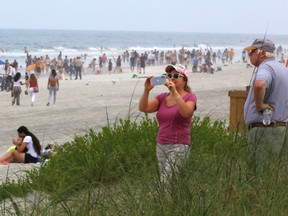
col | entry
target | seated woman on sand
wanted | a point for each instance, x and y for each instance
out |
(31, 142)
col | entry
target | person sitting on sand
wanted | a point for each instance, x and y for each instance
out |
(30, 141)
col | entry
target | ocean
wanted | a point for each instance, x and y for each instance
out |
(94, 43)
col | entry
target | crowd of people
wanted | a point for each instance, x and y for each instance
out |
(175, 108)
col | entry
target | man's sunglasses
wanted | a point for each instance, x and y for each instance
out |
(174, 75)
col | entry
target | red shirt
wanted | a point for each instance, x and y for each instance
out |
(173, 128)
(33, 83)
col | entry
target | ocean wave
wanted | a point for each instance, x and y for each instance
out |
(94, 48)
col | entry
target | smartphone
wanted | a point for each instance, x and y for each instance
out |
(158, 80)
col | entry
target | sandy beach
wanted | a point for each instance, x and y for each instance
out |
(98, 99)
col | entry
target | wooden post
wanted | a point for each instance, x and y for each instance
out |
(237, 101)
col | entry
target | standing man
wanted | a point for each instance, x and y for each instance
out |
(266, 143)
(78, 68)
(142, 63)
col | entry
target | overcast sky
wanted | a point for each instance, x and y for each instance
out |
(215, 16)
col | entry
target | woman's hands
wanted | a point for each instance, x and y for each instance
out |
(171, 85)
(147, 85)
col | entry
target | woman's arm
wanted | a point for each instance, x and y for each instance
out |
(186, 109)
(57, 84)
(21, 147)
(48, 83)
(144, 104)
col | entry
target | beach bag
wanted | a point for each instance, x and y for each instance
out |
(35, 89)
(53, 81)
(48, 151)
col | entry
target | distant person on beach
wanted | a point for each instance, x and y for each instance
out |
(71, 68)
(25, 50)
(93, 65)
(174, 109)
(132, 63)
(219, 54)
(231, 55)
(26, 83)
(195, 64)
(66, 64)
(33, 87)
(142, 63)
(99, 70)
(30, 141)
(110, 66)
(52, 86)
(266, 143)
(173, 58)
(104, 59)
(38, 67)
(118, 61)
(60, 68)
(59, 55)
(244, 56)
(9, 71)
(15, 65)
(47, 64)
(16, 90)
(78, 68)
(28, 60)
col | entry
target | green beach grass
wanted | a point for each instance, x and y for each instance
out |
(114, 172)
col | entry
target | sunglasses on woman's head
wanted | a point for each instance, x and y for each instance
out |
(174, 75)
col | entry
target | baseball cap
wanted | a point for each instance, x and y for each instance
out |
(265, 44)
(179, 68)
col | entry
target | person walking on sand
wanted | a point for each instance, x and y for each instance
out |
(93, 65)
(175, 109)
(142, 63)
(38, 67)
(267, 143)
(78, 68)
(52, 86)
(110, 66)
(16, 89)
(231, 55)
(118, 68)
(33, 87)
(47, 64)
(71, 68)
(26, 83)
(30, 141)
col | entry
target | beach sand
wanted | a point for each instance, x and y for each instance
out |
(98, 99)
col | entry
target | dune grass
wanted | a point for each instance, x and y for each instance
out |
(114, 172)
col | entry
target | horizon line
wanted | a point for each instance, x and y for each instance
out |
(48, 29)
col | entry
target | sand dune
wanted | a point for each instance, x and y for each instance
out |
(97, 99)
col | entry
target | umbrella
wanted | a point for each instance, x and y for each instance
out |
(31, 67)
(2, 62)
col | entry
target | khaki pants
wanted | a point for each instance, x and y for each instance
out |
(267, 145)
(16, 95)
(170, 157)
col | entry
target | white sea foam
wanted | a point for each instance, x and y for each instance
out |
(95, 43)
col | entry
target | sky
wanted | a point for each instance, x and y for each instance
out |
(214, 16)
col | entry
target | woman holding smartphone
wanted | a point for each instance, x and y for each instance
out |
(175, 109)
